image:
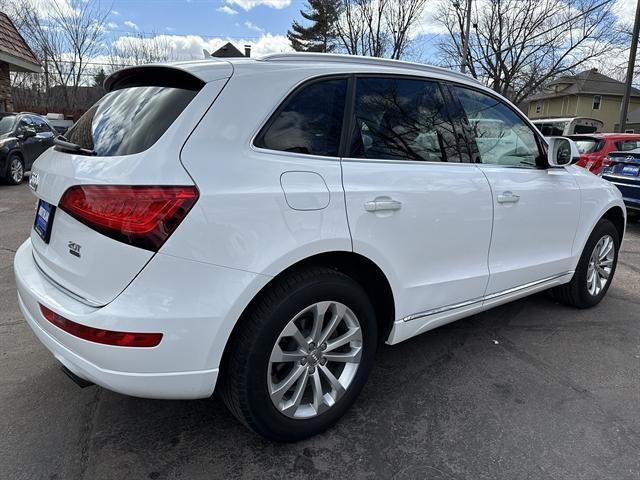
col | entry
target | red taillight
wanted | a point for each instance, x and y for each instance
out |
(106, 337)
(143, 216)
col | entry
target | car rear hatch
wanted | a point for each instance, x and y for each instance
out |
(110, 197)
(623, 169)
(625, 165)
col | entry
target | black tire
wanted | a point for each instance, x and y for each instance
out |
(244, 386)
(576, 292)
(14, 159)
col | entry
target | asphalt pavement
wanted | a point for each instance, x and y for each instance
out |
(529, 390)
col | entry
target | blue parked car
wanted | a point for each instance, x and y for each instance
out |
(623, 169)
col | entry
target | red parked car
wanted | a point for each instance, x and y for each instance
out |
(594, 147)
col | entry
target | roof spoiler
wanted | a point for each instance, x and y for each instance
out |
(152, 76)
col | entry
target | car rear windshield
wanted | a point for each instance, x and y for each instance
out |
(588, 145)
(626, 145)
(129, 120)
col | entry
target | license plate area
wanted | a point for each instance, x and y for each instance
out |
(631, 170)
(44, 220)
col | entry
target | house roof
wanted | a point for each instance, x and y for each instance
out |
(227, 50)
(589, 82)
(14, 50)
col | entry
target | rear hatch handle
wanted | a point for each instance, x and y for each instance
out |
(64, 145)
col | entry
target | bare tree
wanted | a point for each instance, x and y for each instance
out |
(65, 35)
(378, 28)
(139, 49)
(401, 18)
(518, 45)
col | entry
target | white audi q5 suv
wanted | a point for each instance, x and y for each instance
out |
(265, 224)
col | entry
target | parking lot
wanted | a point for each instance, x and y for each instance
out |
(530, 390)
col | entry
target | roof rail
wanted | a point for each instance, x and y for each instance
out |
(385, 62)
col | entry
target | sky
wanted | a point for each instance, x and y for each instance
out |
(260, 22)
(189, 26)
(197, 24)
(240, 19)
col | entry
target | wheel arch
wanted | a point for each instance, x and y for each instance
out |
(360, 268)
(616, 216)
(15, 151)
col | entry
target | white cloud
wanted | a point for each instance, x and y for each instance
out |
(252, 26)
(189, 47)
(131, 25)
(112, 25)
(625, 10)
(115, 12)
(45, 8)
(249, 4)
(427, 24)
(227, 9)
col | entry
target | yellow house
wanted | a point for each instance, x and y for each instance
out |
(587, 94)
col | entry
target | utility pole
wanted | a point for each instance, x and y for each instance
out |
(465, 40)
(624, 108)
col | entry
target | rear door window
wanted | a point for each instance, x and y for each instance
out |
(309, 121)
(402, 119)
(129, 120)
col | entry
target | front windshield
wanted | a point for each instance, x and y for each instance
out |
(6, 124)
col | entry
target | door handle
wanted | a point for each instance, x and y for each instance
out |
(508, 197)
(382, 204)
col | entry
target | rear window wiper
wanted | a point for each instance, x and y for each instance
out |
(64, 145)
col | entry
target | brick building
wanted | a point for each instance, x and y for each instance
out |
(15, 56)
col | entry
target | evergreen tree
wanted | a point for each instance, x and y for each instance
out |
(99, 78)
(321, 35)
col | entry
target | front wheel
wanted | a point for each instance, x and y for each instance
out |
(302, 355)
(595, 269)
(15, 170)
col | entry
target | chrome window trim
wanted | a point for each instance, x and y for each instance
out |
(408, 162)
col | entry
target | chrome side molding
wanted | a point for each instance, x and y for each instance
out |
(491, 296)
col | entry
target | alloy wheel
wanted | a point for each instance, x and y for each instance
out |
(17, 171)
(600, 265)
(314, 360)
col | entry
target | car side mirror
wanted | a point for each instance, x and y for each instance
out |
(562, 151)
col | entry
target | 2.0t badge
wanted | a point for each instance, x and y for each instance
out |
(74, 249)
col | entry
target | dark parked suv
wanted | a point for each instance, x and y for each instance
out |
(23, 137)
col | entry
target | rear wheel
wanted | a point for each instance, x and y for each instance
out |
(15, 170)
(595, 270)
(302, 355)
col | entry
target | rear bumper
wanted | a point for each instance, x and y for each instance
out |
(177, 385)
(183, 300)
(630, 189)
